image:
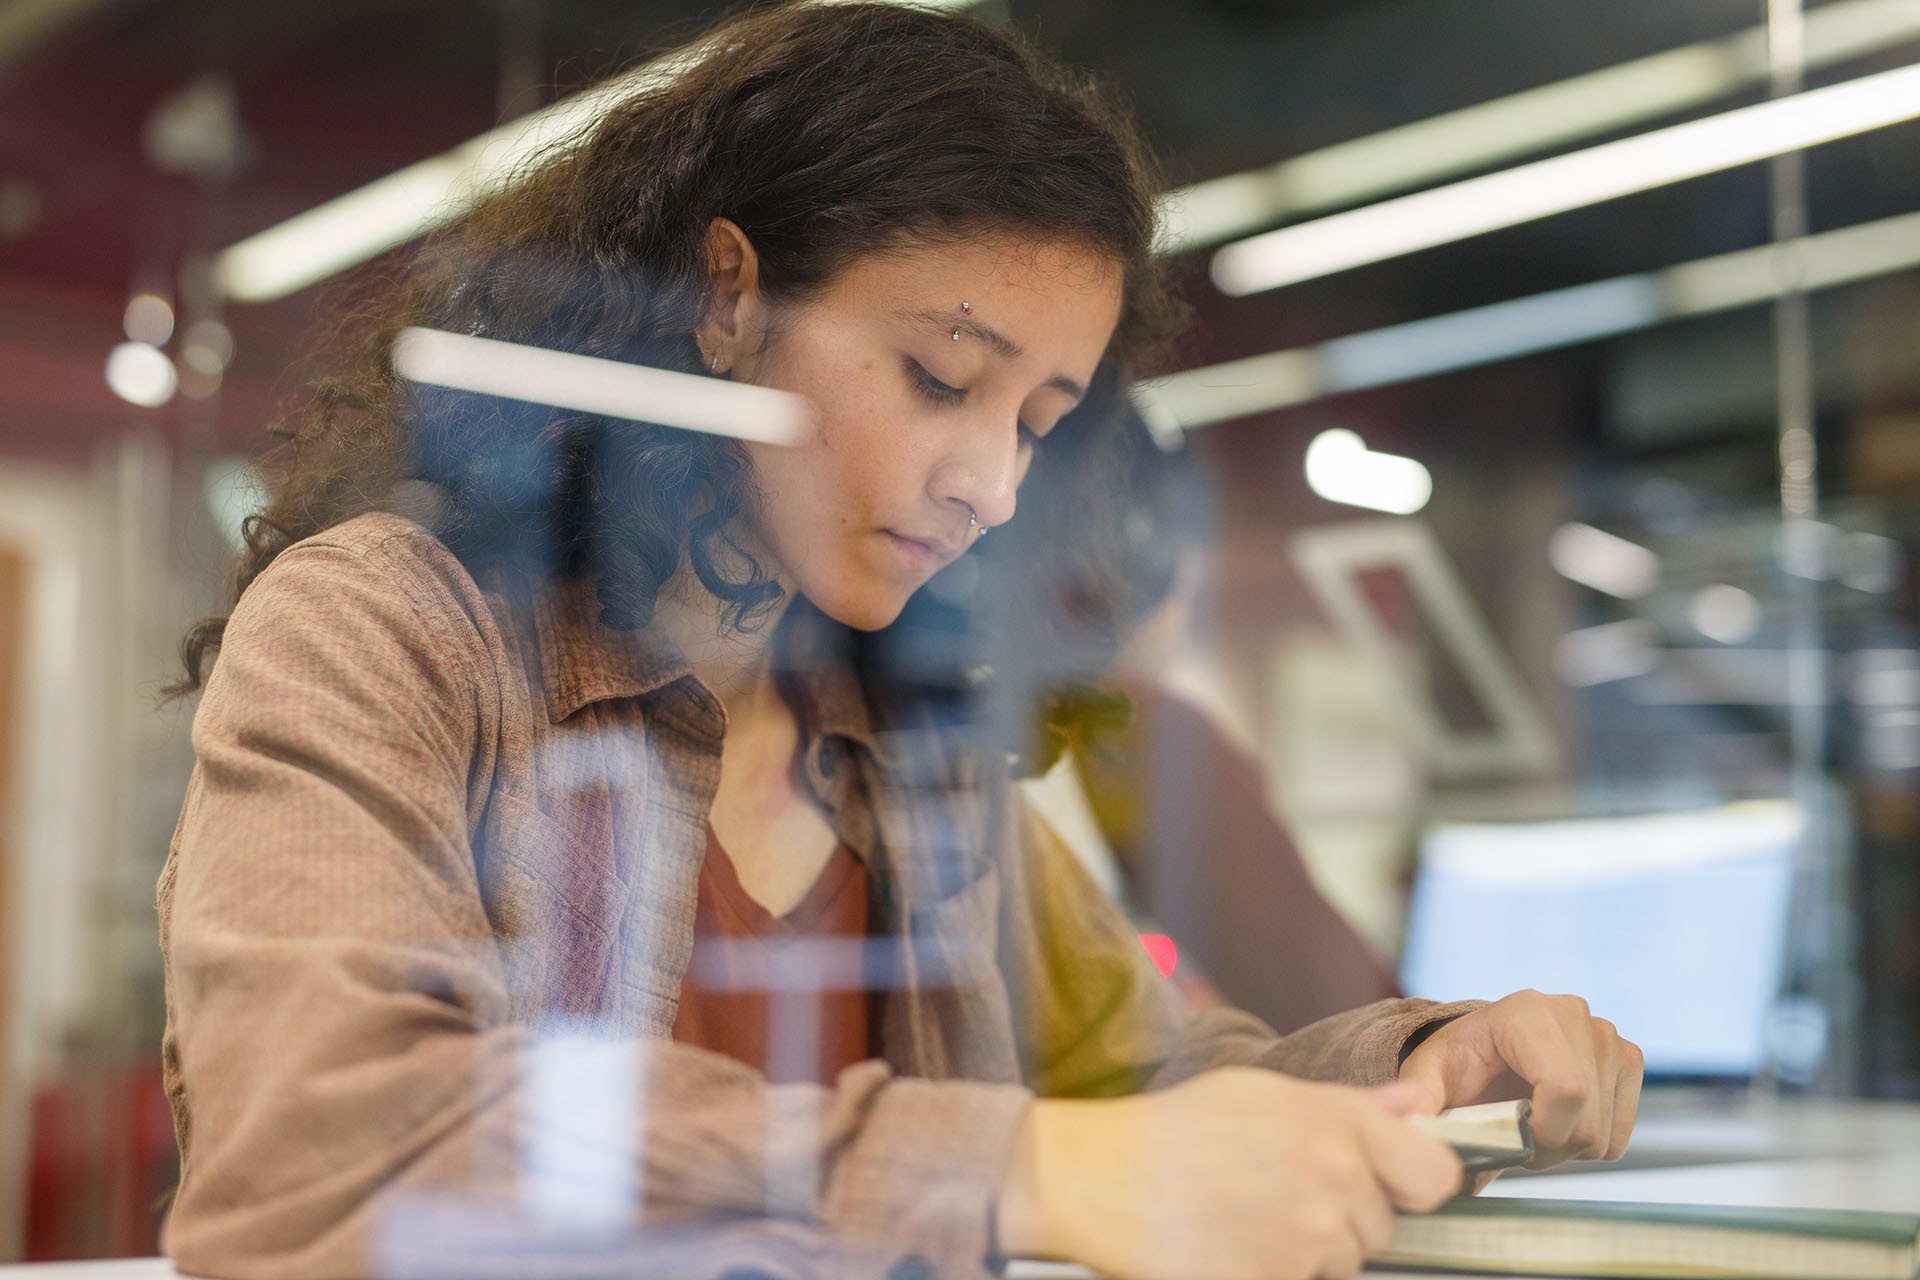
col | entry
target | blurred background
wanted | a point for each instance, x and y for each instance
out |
(1548, 569)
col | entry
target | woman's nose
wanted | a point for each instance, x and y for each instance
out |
(984, 476)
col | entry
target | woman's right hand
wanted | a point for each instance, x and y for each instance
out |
(1237, 1172)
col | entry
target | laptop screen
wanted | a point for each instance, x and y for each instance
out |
(1674, 926)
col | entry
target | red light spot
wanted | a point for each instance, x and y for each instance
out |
(1161, 951)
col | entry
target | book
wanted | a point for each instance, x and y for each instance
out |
(1490, 1135)
(1500, 1235)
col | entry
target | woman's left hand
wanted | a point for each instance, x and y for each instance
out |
(1582, 1076)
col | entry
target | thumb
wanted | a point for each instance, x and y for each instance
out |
(1407, 1097)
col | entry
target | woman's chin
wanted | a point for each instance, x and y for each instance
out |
(862, 610)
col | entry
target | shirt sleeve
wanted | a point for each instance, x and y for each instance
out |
(352, 1094)
(1098, 1019)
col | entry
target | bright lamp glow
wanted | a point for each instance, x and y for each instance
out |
(1340, 468)
(141, 374)
(367, 222)
(388, 212)
(148, 319)
(1521, 326)
(1520, 124)
(1546, 187)
(588, 384)
(1502, 330)
(1724, 613)
(1601, 560)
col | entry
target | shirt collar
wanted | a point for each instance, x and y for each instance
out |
(584, 661)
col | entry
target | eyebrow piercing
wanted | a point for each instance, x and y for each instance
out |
(966, 308)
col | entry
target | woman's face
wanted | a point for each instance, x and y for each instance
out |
(914, 426)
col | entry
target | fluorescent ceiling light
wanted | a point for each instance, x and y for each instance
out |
(1561, 183)
(388, 212)
(588, 384)
(1502, 129)
(1340, 468)
(392, 210)
(1403, 352)
(1522, 326)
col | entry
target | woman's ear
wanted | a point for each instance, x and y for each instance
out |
(736, 314)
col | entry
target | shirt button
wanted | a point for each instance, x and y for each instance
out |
(824, 760)
(911, 1267)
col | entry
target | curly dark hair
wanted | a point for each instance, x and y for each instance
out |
(826, 133)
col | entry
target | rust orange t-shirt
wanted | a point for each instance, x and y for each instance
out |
(787, 995)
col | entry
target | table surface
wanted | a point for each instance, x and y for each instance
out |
(1689, 1148)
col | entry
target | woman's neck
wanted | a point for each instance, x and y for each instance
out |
(736, 665)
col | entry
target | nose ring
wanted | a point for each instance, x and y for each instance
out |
(973, 517)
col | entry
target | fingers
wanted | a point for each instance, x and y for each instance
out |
(1350, 1220)
(1407, 1097)
(1626, 1098)
(1344, 1259)
(1550, 1045)
(1384, 1163)
(1581, 1071)
(1417, 1171)
(1582, 1076)
(1370, 1218)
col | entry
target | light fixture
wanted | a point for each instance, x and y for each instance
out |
(389, 211)
(1561, 183)
(211, 335)
(141, 374)
(1525, 123)
(1611, 651)
(1604, 561)
(1340, 468)
(1522, 326)
(1724, 613)
(149, 319)
(589, 384)
(1563, 317)
(366, 222)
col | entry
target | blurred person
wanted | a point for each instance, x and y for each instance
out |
(1159, 797)
(580, 874)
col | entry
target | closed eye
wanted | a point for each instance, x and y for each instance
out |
(946, 396)
(931, 387)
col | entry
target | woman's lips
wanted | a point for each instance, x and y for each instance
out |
(923, 553)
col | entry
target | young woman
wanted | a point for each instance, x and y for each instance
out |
(562, 889)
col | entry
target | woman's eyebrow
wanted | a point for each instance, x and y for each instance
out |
(998, 343)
